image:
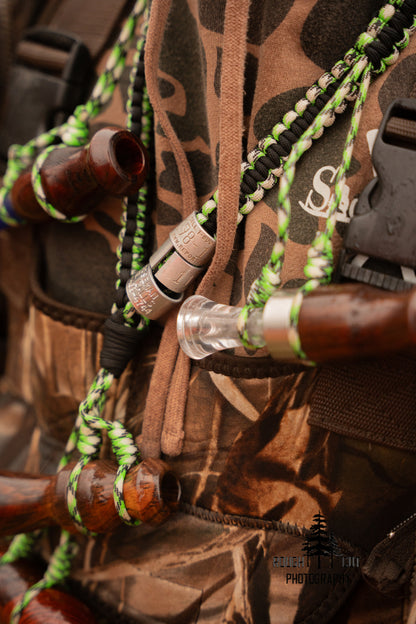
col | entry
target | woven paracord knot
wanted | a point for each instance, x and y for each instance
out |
(119, 346)
(392, 36)
(127, 455)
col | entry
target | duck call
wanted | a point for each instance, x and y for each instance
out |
(75, 180)
(336, 322)
(50, 606)
(29, 502)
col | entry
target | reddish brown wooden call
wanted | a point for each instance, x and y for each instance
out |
(76, 179)
(356, 321)
(27, 502)
(50, 606)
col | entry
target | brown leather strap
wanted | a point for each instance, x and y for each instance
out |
(242, 367)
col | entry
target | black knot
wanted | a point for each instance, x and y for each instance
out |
(119, 346)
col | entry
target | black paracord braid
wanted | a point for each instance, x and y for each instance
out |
(275, 153)
(379, 50)
(136, 113)
(391, 34)
(123, 331)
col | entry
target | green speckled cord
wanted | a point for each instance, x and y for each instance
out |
(86, 437)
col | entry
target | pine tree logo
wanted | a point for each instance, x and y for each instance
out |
(320, 542)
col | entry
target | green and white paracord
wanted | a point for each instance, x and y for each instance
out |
(86, 436)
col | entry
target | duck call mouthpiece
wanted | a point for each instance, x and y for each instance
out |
(204, 327)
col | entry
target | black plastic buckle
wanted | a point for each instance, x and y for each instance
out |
(45, 85)
(380, 243)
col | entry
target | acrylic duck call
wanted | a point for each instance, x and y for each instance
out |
(50, 606)
(29, 502)
(75, 180)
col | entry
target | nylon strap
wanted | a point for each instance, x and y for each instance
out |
(93, 21)
(372, 401)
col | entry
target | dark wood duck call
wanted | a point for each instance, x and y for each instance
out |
(50, 606)
(356, 321)
(29, 502)
(75, 179)
(344, 322)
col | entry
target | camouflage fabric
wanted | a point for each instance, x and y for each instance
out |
(254, 471)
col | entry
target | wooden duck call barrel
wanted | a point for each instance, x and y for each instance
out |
(75, 179)
(30, 502)
(50, 606)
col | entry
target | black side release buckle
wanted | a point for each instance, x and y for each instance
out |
(53, 74)
(380, 243)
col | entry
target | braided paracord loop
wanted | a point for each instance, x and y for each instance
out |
(127, 455)
(88, 434)
(130, 252)
(269, 279)
(57, 571)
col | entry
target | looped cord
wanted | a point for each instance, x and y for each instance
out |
(86, 436)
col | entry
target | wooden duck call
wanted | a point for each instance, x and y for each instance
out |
(336, 323)
(29, 502)
(75, 179)
(345, 322)
(50, 606)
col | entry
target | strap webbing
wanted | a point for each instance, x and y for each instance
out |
(93, 21)
(368, 400)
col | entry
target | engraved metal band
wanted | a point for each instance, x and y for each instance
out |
(192, 242)
(176, 273)
(161, 253)
(147, 297)
(174, 266)
(277, 326)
